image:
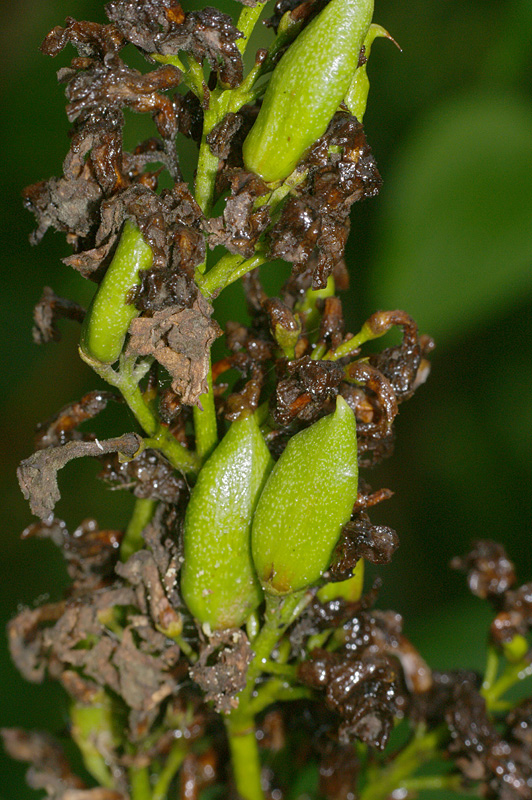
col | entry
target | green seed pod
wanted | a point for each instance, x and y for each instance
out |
(307, 500)
(109, 315)
(306, 88)
(218, 581)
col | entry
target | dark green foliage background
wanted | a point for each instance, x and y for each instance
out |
(449, 240)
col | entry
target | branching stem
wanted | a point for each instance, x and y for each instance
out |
(141, 516)
(126, 380)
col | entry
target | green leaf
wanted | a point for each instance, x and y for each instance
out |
(455, 243)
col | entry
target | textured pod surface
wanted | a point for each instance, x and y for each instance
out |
(308, 498)
(306, 88)
(109, 315)
(218, 580)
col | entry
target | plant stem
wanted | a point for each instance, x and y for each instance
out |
(173, 762)
(274, 690)
(512, 674)
(139, 782)
(492, 666)
(207, 161)
(126, 379)
(141, 516)
(415, 785)
(245, 756)
(205, 426)
(240, 725)
(228, 270)
(423, 747)
(247, 20)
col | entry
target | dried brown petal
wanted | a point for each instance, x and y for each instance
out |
(227, 677)
(148, 475)
(141, 572)
(430, 706)
(490, 573)
(50, 769)
(481, 753)
(314, 225)
(90, 39)
(48, 310)
(161, 26)
(90, 552)
(37, 475)
(399, 365)
(25, 639)
(361, 539)
(62, 427)
(67, 204)
(361, 690)
(240, 226)
(180, 340)
(307, 391)
(515, 618)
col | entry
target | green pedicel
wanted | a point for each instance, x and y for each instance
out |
(306, 88)
(110, 315)
(218, 581)
(307, 500)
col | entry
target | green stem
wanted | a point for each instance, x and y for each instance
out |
(492, 666)
(126, 380)
(240, 725)
(193, 76)
(141, 516)
(287, 671)
(427, 782)
(422, 748)
(245, 757)
(139, 783)
(348, 347)
(279, 615)
(205, 426)
(512, 674)
(173, 763)
(207, 161)
(274, 690)
(246, 22)
(228, 270)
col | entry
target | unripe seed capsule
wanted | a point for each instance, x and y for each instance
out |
(306, 88)
(307, 500)
(218, 580)
(109, 315)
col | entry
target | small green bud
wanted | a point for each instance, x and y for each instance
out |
(307, 500)
(218, 581)
(516, 649)
(306, 88)
(284, 325)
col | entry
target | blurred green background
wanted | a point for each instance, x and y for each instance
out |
(449, 240)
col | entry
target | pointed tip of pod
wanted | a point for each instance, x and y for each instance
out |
(343, 409)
